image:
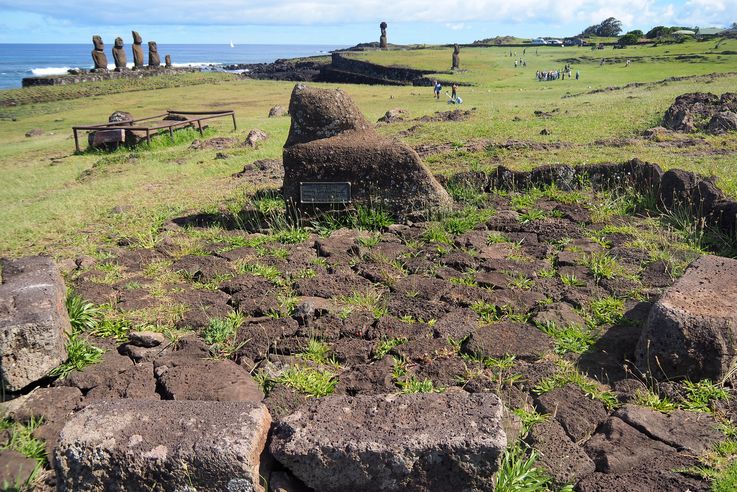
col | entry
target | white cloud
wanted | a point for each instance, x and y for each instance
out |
(455, 13)
(457, 26)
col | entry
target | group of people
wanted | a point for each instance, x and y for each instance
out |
(557, 74)
(454, 97)
(520, 63)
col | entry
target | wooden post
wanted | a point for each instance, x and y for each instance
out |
(199, 124)
(76, 140)
(148, 136)
(171, 134)
(235, 127)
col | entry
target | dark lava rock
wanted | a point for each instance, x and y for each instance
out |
(618, 447)
(507, 338)
(558, 454)
(692, 329)
(330, 140)
(450, 441)
(209, 380)
(180, 445)
(578, 414)
(694, 432)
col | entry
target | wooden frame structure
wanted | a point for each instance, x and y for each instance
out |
(193, 118)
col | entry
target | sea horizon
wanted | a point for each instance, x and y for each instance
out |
(20, 60)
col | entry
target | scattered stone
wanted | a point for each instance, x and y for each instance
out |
(694, 432)
(723, 122)
(216, 143)
(33, 320)
(277, 112)
(394, 116)
(545, 131)
(618, 447)
(558, 454)
(692, 329)
(578, 414)
(187, 378)
(391, 442)
(331, 141)
(146, 339)
(35, 132)
(507, 338)
(697, 110)
(15, 468)
(255, 136)
(184, 445)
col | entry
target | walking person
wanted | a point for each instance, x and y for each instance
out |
(438, 88)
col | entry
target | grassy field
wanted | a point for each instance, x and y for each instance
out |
(63, 204)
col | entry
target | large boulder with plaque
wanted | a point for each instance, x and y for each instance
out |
(333, 159)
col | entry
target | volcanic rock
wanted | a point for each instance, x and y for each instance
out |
(137, 50)
(33, 320)
(426, 441)
(331, 141)
(179, 445)
(692, 329)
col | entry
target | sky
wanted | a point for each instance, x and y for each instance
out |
(339, 22)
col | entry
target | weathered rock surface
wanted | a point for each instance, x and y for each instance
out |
(694, 432)
(33, 320)
(618, 447)
(450, 441)
(692, 329)
(202, 379)
(98, 54)
(558, 454)
(331, 141)
(578, 414)
(15, 468)
(255, 136)
(691, 112)
(137, 50)
(177, 445)
(277, 111)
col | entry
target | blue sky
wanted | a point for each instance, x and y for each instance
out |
(338, 22)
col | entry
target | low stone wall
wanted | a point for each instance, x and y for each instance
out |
(100, 76)
(349, 70)
(671, 189)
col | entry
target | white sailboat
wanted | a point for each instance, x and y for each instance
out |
(231, 44)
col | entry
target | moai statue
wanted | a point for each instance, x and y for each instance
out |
(382, 39)
(456, 57)
(119, 55)
(153, 55)
(137, 50)
(98, 54)
(167, 60)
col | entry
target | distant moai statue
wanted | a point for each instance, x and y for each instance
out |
(456, 57)
(167, 61)
(119, 55)
(98, 54)
(153, 55)
(382, 40)
(137, 50)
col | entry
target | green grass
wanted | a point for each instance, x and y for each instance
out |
(83, 315)
(567, 374)
(518, 473)
(309, 380)
(222, 333)
(571, 338)
(80, 354)
(318, 352)
(385, 345)
(45, 206)
(22, 441)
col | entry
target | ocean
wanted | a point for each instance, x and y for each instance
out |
(26, 60)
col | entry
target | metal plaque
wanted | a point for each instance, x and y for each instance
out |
(325, 192)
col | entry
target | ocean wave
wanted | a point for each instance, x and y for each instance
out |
(49, 71)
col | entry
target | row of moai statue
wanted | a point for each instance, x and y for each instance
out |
(100, 60)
